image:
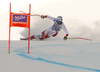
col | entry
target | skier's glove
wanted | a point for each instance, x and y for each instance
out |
(42, 16)
(65, 38)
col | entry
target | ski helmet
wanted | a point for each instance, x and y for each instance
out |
(59, 19)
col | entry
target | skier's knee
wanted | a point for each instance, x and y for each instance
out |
(54, 34)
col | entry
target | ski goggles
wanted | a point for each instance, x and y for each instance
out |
(59, 22)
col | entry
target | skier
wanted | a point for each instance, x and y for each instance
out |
(51, 31)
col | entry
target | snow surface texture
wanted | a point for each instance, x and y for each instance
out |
(50, 56)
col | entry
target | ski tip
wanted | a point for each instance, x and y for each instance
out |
(20, 38)
(23, 38)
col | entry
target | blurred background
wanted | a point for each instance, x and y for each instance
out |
(81, 17)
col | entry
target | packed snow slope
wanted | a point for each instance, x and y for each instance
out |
(50, 56)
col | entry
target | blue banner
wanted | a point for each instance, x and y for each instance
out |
(19, 18)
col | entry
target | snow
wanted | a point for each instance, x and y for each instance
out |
(50, 56)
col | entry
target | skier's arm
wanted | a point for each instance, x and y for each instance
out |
(51, 18)
(47, 16)
(64, 28)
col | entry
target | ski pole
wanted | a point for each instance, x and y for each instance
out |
(30, 15)
(80, 38)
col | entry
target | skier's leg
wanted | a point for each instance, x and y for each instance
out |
(44, 34)
(48, 33)
(53, 33)
(32, 37)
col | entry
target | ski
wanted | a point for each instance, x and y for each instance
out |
(23, 38)
(32, 37)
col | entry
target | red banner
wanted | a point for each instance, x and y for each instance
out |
(20, 20)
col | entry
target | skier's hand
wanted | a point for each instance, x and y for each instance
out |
(42, 16)
(65, 38)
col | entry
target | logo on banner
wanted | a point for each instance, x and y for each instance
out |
(19, 18)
